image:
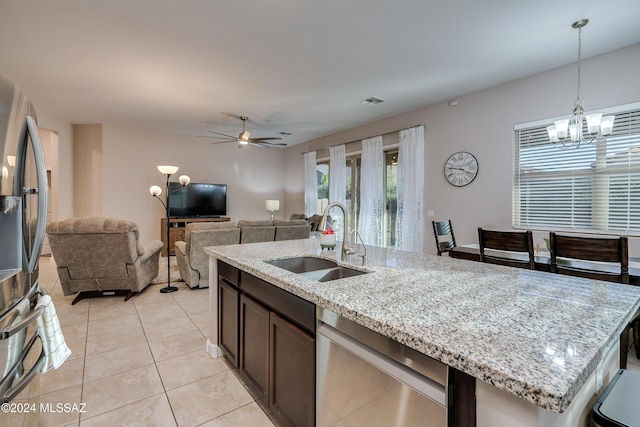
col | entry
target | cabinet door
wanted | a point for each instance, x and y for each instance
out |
(254, 346)
(291, 373)
(228, 301)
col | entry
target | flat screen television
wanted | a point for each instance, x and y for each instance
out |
(197, 200)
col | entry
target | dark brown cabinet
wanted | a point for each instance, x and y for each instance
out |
(254, 348)
(228, 303)
(274, 347)
(291, 373)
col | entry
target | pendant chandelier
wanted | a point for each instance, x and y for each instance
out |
(570, 132)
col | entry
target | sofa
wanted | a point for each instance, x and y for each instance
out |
(98, 256)
(193, 262)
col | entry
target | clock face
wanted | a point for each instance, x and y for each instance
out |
(461, 168)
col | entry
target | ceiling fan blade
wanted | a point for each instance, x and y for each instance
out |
(274, 144)
(216, 137)
(264, 139)
(225, 135)
(257, 144)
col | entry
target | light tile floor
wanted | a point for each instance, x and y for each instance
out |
(142, 363)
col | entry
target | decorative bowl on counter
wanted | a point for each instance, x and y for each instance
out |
(328, 239)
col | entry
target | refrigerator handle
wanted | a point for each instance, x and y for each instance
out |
(8, 394)
(29, 129)
(13, 329)
(24, 323)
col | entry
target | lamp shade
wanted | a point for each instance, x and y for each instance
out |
(606, 125)
(562, 128)
(184, 180)
(593, 122)
(11, 160)
(553, 133)
(273, 205)
(168, 170)
(155, 190)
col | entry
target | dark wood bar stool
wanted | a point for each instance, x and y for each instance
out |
(573, 250)
(510, 241)
(445, 239)
(575, 254)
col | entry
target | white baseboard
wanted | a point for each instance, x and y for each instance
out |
(213, 350)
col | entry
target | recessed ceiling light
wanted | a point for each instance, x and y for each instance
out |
(374, 100)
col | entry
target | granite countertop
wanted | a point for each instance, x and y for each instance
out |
(536, 335)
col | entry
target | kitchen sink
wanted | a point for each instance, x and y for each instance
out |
(303, 264)
(339, 273)
(318, 269)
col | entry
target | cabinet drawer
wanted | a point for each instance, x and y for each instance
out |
(229, 272)
(296, 309)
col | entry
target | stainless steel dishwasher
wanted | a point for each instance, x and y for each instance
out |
(366, 379)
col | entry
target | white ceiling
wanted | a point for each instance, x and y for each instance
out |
(296, 66)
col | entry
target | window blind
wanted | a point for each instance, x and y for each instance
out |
(593, 188)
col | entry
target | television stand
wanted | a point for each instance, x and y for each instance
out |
(177, 227)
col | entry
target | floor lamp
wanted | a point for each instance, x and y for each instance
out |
(155, 192)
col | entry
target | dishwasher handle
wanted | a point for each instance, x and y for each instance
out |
(423, 385)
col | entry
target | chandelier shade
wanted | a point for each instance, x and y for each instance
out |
(570, 132)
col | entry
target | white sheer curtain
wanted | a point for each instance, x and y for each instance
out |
(338, 183)
(310, 184)
(371, 192)
(410, 224)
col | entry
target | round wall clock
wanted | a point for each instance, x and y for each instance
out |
(461, 168)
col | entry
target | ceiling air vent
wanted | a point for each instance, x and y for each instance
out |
(374, 100)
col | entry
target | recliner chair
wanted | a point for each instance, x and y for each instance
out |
(193, 262)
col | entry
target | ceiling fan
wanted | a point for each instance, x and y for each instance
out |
(244, 138)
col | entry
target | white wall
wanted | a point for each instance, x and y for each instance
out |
(482, 124)
(64, 207)
(252, 174)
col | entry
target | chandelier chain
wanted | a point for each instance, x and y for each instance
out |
(579, 57)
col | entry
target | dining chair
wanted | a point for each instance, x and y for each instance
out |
(599, 258)
(445, 239)
(517, 247)
(583, 257)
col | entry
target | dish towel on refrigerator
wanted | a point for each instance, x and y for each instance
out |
(53, 343)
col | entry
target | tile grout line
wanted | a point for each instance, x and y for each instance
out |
(155, 362)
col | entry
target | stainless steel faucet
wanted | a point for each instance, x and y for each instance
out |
(346, 248)
(357, 233)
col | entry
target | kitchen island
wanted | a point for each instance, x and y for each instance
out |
(541, 345)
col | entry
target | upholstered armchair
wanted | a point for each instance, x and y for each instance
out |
(193, 262)
(97, 256)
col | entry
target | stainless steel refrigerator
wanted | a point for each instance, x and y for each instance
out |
(23, 216)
